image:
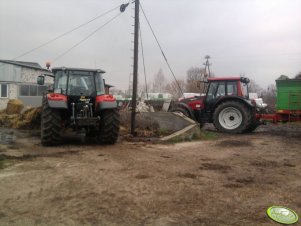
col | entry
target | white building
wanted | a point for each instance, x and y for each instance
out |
(18, 81)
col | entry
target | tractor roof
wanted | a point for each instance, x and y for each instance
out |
(224, 79)
(76, 69)
(242, 79)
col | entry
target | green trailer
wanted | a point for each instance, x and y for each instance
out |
(288, 95)
(288, 105)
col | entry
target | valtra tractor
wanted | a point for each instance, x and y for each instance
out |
(78, 101)
(226, 104)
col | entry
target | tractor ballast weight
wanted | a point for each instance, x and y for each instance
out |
(78, 101)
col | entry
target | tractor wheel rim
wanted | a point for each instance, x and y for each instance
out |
(230, 118)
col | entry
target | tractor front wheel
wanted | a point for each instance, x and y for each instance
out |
(232, 117)
(109, 126)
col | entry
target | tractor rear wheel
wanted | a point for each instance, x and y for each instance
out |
(232, 117)
(253, 124)
(109, 126)
(51, 125)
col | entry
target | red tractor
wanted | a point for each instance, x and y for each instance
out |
(226, 104)
(78, 101)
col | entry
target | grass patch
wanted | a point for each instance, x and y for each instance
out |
(163, 132)
(4, 163)
(207, 135)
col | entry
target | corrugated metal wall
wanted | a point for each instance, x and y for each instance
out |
(10, 73)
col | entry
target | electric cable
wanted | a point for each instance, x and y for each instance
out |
(84, 39)
(142, 52)
(65, 33)
(164, 56)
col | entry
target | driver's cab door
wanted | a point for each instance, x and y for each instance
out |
(216, 90)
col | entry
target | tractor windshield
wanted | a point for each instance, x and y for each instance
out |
(79, 83)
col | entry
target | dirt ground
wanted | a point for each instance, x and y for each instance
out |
(227, 180)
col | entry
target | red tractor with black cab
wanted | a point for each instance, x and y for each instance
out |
(77, 100)
(226, 104)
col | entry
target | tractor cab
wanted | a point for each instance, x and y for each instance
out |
(221, 88)
(78, 82)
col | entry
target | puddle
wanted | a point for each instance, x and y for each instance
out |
(9, 136)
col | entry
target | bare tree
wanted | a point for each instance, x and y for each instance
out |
(298, 76)
(173, 88)
(159, 82)
(194, 76)
(254, 87)
(269, 97)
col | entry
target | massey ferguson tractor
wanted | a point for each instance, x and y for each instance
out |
(226, 105)
(78, 101)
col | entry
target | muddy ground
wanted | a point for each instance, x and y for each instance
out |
(225, 180)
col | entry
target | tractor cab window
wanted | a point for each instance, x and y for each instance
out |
(221, 90)
(232, 88)
(60, 81)
(80, 83)
(216, 90)
(212, 91)
(100, 87)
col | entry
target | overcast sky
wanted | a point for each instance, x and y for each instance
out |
(258, 38)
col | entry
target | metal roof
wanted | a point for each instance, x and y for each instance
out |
(32, 65)
(76, 69)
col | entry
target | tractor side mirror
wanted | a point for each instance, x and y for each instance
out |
(41, 80)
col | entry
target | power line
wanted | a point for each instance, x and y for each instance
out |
(161, 49)
(142, 52)
(65, 33)
(84, 39)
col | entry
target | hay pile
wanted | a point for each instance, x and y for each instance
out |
(29, 119)
(14, 107)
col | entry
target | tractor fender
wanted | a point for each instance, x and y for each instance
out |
(105, 102)
(235, 98)
(185, 107)
(57, 100)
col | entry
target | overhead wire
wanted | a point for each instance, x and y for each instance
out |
(65, 33)
(164, 56)
(84, 39)
(143, 61)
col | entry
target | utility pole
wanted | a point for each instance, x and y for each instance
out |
(207, 64)
(135, 67)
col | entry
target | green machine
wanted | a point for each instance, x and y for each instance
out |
(288, 96)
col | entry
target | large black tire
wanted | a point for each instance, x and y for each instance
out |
(51, 125)
(253, 125)
(232, 117)
(109, 126)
